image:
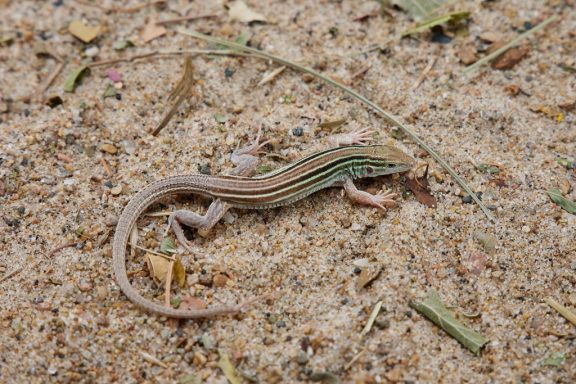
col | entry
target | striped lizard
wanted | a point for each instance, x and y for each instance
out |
(350, 159)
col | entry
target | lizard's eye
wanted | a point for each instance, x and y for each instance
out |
(390, 165)
(369, 170)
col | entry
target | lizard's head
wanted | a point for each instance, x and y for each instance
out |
(385, 160)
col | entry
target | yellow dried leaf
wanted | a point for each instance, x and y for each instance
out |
(158, 266)
(82, 31)
(179, 273)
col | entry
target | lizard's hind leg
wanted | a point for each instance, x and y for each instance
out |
(191, 219)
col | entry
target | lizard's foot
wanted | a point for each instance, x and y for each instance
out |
(253, 148)
(381, 200)
(360, 137)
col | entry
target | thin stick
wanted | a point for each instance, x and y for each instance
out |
(391, 118)
(512, 43)
(152, 252)
(185, 18)
(53, 75)
(424, 73)
(372, 318)
(565, 312)
(119, 9)
(222, 52)
(168, 283)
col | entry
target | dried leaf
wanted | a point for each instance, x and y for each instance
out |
(74, 77)
(182, 90)
(433, 309)
(555, 359)
(110, 91)
(82, 31)
(434, 21)
(152, 31)
(270, 76)
(419, 9)
(242, 39)
(510, 58)
(367, 275)
(467, 54)
(331, 124)
(239, 11)
(227, 368)
(372, 318)
(121, 45)
(179, 273)
(420, 188)
(168, 246)
(158, 266)
(221, 118)
(556, 196)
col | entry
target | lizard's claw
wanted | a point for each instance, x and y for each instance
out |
(384, 199)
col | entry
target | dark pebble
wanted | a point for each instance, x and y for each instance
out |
(108, 184)
(357, 270)
(204, 169)
(298, 131)
(281, 324)
(228, 73)
(118, 96)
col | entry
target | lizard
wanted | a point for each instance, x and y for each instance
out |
(351, 158)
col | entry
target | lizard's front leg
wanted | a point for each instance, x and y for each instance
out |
(380, 200)
(191, 219)
(246, 159)
(361, 137)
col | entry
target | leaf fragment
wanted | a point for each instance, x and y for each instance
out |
(168, 246)
(419, 9)
(227, 368)
(120, 45)
(74, 77)
(558, 199)
(110, 91)
(152, 31)
(330, 125)
(82, 31)
(434, 21)
(221, 118)
(190, 378)
(367, 275)
(555, 359)
(488, 168)
(420, 187)
(433, 309)
(179, 273)
(568, 164)
(239, 11)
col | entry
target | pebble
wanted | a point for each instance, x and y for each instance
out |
(85, 285)
(92, 51)
(526, 229)
(108, 148)
(115, 191)
(220, 280)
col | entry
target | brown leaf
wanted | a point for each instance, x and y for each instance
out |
(510, 58)
(152, 31)
(420, 187)
(367, 275)
(239, 11)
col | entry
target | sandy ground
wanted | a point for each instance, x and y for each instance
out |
(63, 318)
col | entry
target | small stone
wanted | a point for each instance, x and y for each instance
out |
(220, 280)
(298, 131)
(205, 279)
(228, 72)
(101, 293)
(302, 358)
(108, 148)
(115, 191)
(356, 227)
(467, 199)
(85, 285)
(526, 229)
(92, 51)
(111, 220)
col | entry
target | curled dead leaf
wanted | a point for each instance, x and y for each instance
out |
(420, 187)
